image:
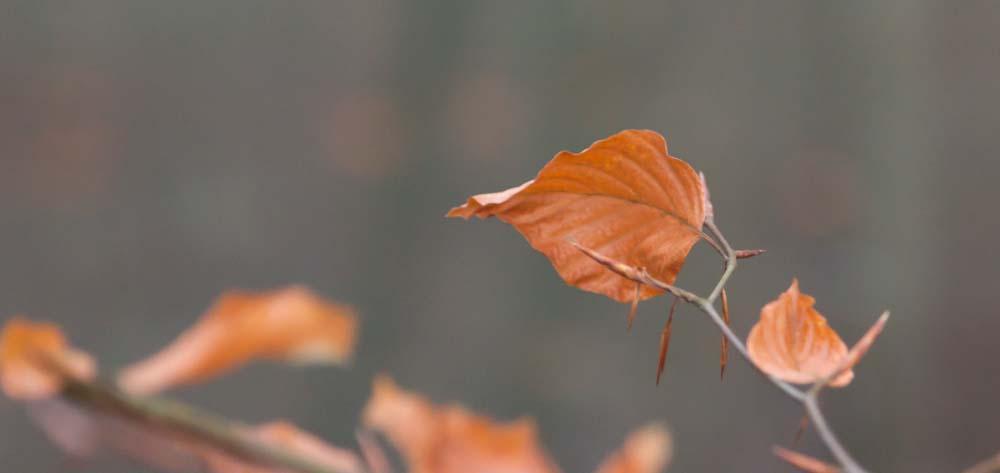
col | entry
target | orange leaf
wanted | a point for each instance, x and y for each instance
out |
(451, 439)
(624, 197)
(793, 342)
(290, 438)
(804, 462)
(35, 359)
(647, 450)
(290, 324)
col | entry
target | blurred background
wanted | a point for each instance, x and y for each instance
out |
(153, 155)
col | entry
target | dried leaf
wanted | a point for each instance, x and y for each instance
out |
(665, 341)
(451, 439)
(863, 344)
(35, 359)
(793, 342)
(291, 324)
(290, 438)
(624, 197)
(706, 198)
(804, 462)
(647, 450)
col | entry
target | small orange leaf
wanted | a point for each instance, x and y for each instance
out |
(35, 359)
(624, 197)
(290, 438)
(647, 450)
(804, 462)
(793, 342)
(451, 439)
(290, 324)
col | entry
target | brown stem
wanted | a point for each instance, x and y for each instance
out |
(182, 420)
(707, 305)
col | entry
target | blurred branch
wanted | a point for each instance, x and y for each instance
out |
(809, 400)
(989, 465)
(174, 418)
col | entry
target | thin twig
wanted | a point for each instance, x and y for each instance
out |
(707, 305)
(843, 457)
(811, 400)
(704, 305)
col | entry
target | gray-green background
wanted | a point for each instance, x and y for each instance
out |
(154, 154)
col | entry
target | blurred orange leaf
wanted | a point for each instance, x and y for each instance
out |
(290, 324)
(793, 342)
(294, 440)
(451, 439)
(35, 359)
(624, 197)
(647, 450)
(804, 462)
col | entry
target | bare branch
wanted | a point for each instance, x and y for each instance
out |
(186, 422)
(707, 305)
(704, 305)
(989, 465)
(636, 274)
(843, 457)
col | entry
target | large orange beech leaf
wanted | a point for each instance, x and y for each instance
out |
(647, 450)
(290, 324)
(793, 342)
(623, 197)
(35, 360)
(451, 439)
(286, 436)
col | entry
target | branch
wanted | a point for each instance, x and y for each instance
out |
(642, 276)
(707, 305)
(989, 465)
(182, 420)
